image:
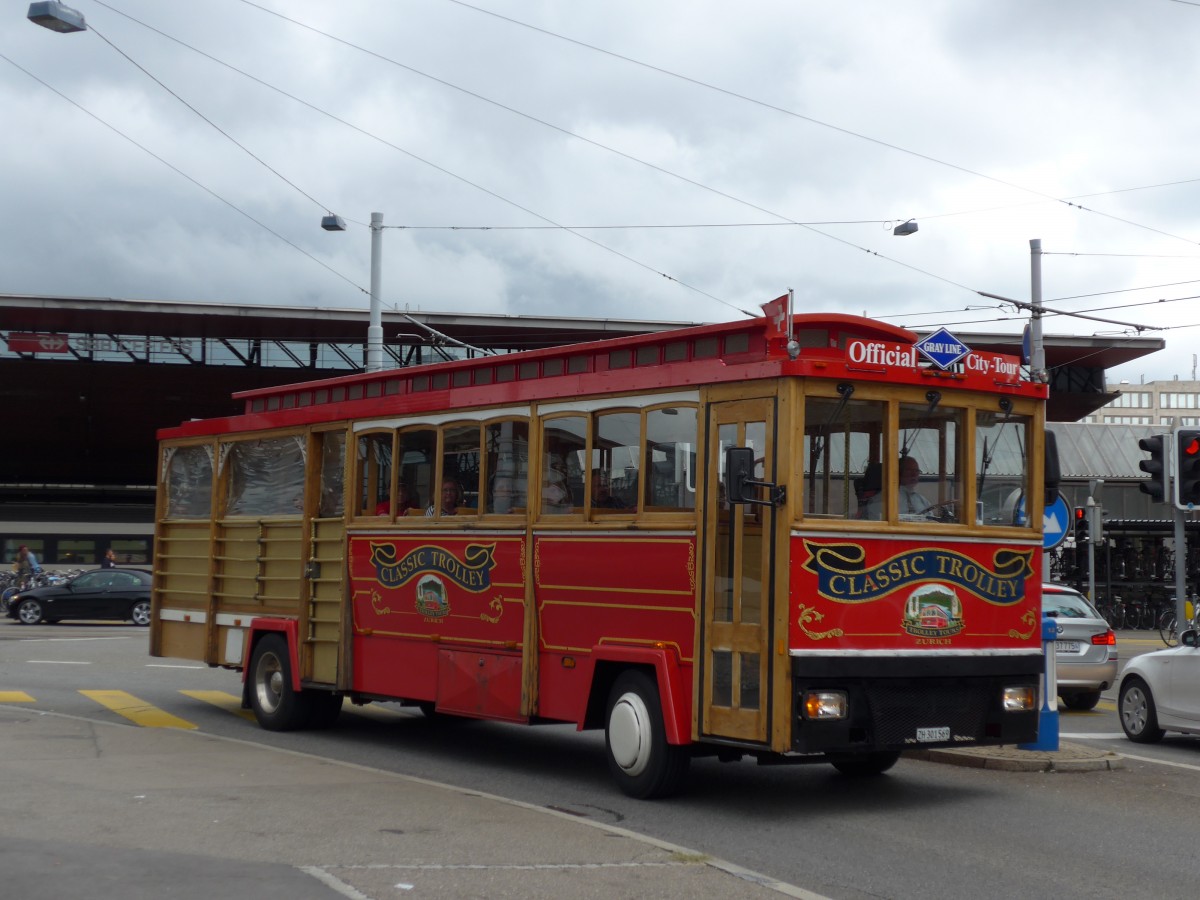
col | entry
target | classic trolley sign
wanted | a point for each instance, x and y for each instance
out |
(735, 540)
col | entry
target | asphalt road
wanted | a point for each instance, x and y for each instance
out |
(925, 830)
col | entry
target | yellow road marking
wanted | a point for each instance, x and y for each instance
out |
(223, 700)
(137, 711)
(15, 697)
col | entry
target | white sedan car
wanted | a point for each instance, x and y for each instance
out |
(1160, 692)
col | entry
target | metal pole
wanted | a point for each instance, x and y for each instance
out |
(1181, 594)
(1091, 547)
(1037, 351)
(375, 326)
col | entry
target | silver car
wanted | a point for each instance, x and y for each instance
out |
(1085, 648)
(1159, 692)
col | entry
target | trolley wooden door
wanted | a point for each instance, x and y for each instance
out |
(738, 549)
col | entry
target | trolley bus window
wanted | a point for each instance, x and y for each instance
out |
(565, 444)
(670, 458)
(417, 451)
(843, 453)
(189, 475)
(333, 464)
(266, 477)
(507, 445)
(460, 464)
(375, 474)
(932, 436)
(613, 474)
(1001, 468)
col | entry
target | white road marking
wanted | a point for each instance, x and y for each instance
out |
(166, 666)
(58, 662)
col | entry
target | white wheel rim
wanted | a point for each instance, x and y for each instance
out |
(629, 734)
(1135, 710)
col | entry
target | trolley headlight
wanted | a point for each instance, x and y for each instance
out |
(825, 705)
(1021, 698)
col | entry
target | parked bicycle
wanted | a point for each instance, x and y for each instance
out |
(1168, 621)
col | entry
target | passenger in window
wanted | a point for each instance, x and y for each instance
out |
(451, 496)
(602, 496)
(909, 500)
(556, 496)
(406, 499)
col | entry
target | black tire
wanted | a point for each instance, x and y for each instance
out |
(29, 612)
(428, 708)
(277, 707)
(1083, 701)
(139, 613)
(643, 764)
(1139, 716)
(858, 765)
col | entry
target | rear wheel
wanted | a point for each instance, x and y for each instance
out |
(1084, 700)
(1166, 628)
(29, 612)
(276, 705)
(1139, 717)
(140, 612)
(642, 762)
(860, 764)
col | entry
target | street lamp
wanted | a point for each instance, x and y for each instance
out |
(56, 17)
(375, 324)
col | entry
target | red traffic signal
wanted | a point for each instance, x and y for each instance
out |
(1187, 468)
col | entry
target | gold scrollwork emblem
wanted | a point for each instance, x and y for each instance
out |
(498, 605)
(378, 605)
(810, 614)
(1029, 619)
(691, 566)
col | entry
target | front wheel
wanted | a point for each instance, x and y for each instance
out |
(140, 613)
(1139, 717)
(864, 764)
(642, 762)
(277, 706)
(29, 612)
(1166, 629)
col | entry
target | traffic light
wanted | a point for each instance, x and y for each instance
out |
(1156, 486)
(1187, 468)
(1081, 525)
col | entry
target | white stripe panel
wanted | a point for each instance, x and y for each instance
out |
(477, 415)
(638, 402)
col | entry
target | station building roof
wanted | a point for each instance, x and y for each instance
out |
(87, 404)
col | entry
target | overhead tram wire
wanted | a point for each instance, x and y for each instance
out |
(414, 156)
(553, 225)
(214, 125)
(784, 218)
(179, 171)
(792, 113)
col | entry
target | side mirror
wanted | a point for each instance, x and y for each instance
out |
(1050, 469)
(739, 467)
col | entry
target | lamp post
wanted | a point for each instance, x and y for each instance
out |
(375, 323)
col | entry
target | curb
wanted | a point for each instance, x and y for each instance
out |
(1068, 758)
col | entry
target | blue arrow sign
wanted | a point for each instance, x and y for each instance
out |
(1056, 523)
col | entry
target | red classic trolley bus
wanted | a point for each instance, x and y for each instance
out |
(741, 539)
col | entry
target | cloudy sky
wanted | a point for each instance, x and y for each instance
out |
(672, 160)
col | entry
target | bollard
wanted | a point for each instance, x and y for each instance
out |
(1047, 738)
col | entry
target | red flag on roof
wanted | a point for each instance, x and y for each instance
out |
(776, 313)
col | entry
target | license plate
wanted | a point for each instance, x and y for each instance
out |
(933, 734)
(1066, 646)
